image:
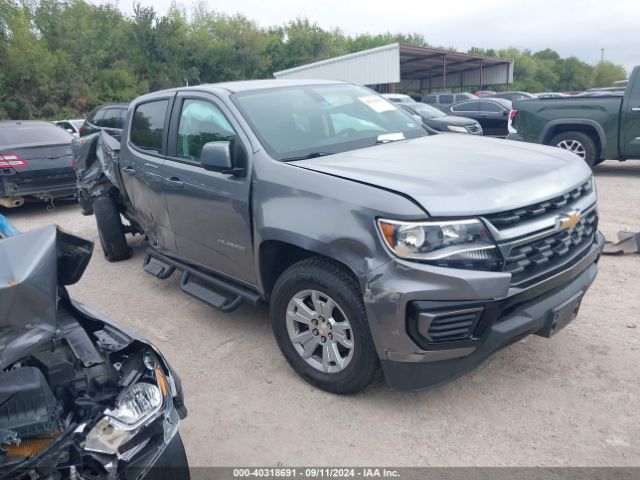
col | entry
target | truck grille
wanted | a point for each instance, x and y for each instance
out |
(543, 257)
(511, 218)
(473, 128)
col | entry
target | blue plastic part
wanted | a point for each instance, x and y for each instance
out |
(6, 227)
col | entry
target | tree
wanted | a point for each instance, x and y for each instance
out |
(64, 57)
(574, 75)
(605, 73)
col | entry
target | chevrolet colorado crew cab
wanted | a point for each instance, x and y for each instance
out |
(594, 128)
(375, 244)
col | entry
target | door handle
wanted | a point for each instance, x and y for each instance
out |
(635, 109)
(129, 170)
(174, 182)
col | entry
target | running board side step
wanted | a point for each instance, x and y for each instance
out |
(162, 266)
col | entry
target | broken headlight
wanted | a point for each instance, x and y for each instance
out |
(456, 244)
(137, 406)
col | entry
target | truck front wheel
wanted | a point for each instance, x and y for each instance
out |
(578, 143)
(321, 326)
(110, 229)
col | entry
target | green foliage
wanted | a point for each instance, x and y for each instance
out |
(605, 73)
(547, 71)
(61, 58)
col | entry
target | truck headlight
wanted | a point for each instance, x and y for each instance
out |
(457, 244)
(456, 128)
(136, 406)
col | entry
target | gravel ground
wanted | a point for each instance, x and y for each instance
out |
(573, 400)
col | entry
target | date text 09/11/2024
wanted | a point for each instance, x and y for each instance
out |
(315, 472)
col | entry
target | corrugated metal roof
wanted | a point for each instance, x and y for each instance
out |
(409, 64)
(369, 67)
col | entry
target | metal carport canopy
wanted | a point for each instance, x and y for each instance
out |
(409, 68)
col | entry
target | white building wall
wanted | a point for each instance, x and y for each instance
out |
(370, 67)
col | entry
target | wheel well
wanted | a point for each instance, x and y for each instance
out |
(586, 129)
(277, 256)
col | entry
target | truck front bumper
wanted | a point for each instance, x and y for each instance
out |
(478, 313)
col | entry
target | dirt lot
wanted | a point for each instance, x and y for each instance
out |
(570, 401)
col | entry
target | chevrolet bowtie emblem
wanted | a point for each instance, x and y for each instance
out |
(570, 220)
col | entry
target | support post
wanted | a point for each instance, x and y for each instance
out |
(444, 72)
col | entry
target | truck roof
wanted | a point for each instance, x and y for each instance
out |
(248, 85)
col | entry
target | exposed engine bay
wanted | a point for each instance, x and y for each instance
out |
(80, 397)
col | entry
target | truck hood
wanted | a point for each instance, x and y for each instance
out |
(33, 266)
(454, 175)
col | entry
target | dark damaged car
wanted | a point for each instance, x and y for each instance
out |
(35, 162)
(80, 396)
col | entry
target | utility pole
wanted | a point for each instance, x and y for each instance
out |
(602, 54)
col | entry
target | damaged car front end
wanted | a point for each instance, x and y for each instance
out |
(80, 396)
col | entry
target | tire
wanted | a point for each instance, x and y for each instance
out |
(110, 229)
(579, 143)
(172, 463)
(330, 365)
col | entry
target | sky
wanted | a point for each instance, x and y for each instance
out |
(581, 28)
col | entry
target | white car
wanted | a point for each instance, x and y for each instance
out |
(71, 126)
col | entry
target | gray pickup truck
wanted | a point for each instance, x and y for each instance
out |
(374, 243)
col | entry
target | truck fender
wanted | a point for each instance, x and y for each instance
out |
(357, 256)
(545, 135)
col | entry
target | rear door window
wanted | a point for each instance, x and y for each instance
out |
(467, 107)
(97, 117)
(490, 107)
(111, 118)
(147, 126)
(445, 99)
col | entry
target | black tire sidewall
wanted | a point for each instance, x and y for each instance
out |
(359, 373)
(586, 141)
(110, 229)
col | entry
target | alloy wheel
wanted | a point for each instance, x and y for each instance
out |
(320, 331)
(573, 146)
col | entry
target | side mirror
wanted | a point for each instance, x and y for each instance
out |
(216, 157)
(417, 118)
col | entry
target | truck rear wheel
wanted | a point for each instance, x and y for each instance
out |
(579, 143)
(110, 229)
(321, 326)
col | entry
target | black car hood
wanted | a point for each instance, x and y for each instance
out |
(33, 267)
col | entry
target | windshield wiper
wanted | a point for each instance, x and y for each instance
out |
(306, 157)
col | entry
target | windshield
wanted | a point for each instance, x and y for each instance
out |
(323, 119)
(427, 111)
